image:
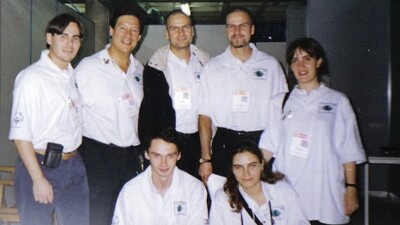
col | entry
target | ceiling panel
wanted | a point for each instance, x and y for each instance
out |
(207, 11)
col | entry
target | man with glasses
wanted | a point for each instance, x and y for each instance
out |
(171, 82)
(110, 83)
(162, 194)
(46, 127)
(234, 94)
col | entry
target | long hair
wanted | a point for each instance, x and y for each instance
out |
(267, 175)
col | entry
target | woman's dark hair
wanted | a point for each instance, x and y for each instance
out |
(267, 175)
(314, 49)
(59, 23)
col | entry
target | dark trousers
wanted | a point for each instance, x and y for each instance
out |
(314, 222)
(190, 153)
(223, 143)
(70, 191)
(108, 168)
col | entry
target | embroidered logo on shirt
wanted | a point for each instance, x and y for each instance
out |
(180, 208)
(327, 107)
(18, 118)
(260, 73)
(137, 78)
(277, 213)
(106, 61)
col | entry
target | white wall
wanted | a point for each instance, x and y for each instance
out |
(210, 38)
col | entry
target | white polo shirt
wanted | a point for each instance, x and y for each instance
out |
(316, 134)
(235, 94)
(110, 99)
(46, 106)
(183, 203)
(283, 206)
(184, 82)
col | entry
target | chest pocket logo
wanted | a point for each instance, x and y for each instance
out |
(180, 208)
(327, 108)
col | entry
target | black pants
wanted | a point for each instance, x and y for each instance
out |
(314, 222)
(223, 142)
(108, 168)
(190, 153)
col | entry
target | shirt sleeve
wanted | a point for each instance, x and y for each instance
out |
(23, 109)
(122, 210)
(272, 134)
(217, 211)
(204, 95)
(347, 137)
(198, 214)
(294, 209)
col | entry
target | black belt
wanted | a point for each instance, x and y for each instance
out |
(109, 145)
(185, 135)
(239, 133)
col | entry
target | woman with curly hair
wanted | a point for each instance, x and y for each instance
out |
(253, 194)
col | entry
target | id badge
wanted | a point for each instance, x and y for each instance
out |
(128, 104)
(241, 101)
(182, 98)
(300, 145)
(74, 106)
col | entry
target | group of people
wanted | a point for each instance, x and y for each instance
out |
(116, 142)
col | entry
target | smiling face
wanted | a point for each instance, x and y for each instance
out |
(163, 157)
(64, 46)
(125, 34)
(239, 29)
(179, 31)
(247, 169)
(305, 68)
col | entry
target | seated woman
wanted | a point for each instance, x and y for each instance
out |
(253, 194)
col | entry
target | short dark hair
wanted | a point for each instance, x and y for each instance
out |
(240, 9)
(129, 11)
(313, 48)
(169, 135)
(59, 23)
(175, 12)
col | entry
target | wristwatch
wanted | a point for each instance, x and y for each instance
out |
(201, 160)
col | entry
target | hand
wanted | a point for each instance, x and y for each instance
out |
(43, 191)
(205, 171)
(350, 200)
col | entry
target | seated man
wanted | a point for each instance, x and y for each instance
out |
(162, 194)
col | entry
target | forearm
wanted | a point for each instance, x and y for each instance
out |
(350, 172)
(205, 131)
(27, 153)
(267, 154)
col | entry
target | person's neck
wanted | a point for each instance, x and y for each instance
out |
(161, 184)
(122, 59)
(183, 53)
(309, 86)
(243, 53)
(256, 193)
